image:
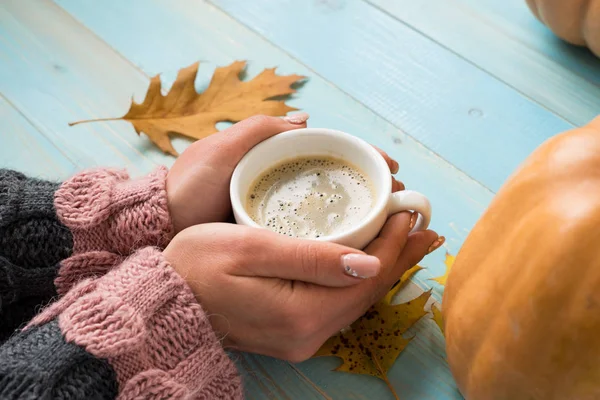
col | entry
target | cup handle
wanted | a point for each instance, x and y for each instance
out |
(409, 200)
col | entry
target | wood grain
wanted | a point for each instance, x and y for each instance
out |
(25, 149)
(64, 67)
(479, 124)
(457, 129)
(55, 71)
(513, 17)
(511, 45)
(456, 198)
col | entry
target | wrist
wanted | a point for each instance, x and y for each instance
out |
(173, 204)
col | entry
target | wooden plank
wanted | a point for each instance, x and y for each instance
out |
(124, 25)
(25, 149)
(58, 83)
(503, 47)
(424, 350)
(142, 34)
(514, 17)
(266, 378)
(54, 71)
(479, 124)
(458, 199)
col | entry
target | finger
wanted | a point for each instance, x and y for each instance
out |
(352, 302)
(388, 247)
(310, 261)
(397, 185)
(391, 240)
(418, 245)
(392, 164)
(246, 134)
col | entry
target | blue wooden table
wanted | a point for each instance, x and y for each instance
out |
(459, 91)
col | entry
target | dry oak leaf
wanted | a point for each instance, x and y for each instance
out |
(448, 261)
(371, 344)
(194, 115)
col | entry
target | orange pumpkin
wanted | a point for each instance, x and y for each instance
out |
(576, 21)
(522, 302)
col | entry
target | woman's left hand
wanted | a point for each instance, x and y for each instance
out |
(198, 182)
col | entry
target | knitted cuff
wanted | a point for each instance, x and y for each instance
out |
(106, 211)
(144, 319)
(82, 266)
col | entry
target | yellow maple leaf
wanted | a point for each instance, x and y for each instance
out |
(448, 261)
(437, 317)
(400, 284)
(194, 115)
(372, 343)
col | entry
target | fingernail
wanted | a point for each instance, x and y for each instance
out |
(297, 119)
(436, 244)
(413, 220)
(395, 167)
(361, 265)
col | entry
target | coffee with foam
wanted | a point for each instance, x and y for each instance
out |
(310, 197)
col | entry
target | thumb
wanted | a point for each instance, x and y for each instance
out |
(246, 134)
(311, 261)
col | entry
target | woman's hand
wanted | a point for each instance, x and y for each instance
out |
(284, 297)
(198, 182)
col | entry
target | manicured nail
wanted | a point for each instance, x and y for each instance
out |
(436, 244)
(413, 220)
(395, 167)
(297, 119)
(361, 265)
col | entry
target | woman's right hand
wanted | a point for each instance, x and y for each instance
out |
(284, 297)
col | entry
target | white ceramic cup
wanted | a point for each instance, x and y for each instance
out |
(327, 142)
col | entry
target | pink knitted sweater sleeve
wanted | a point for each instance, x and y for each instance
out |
(144, 320)
(106, 210)
(110, 216)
